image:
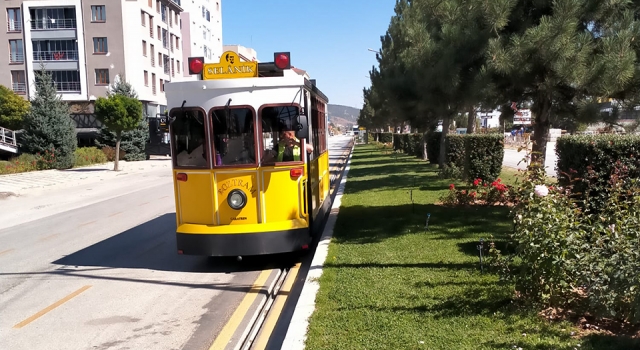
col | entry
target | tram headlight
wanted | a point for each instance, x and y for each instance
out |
(237, 199)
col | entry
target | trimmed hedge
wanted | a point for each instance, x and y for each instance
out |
(455, 150)
(484, 154)
(603, 153)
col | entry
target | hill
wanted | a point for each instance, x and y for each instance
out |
(343, 115)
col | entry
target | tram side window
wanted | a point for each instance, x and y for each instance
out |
(189, 139)
(234, 136)
(278, 136)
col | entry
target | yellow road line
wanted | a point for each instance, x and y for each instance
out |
(87, 223)
(222, 340)
(276, 310)
(51, 307)
(49, 237)
(6, 251)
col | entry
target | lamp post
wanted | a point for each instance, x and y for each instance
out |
(372, 50)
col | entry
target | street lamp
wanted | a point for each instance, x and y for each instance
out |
(372, 50)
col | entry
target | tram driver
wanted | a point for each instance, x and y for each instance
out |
(287, 149)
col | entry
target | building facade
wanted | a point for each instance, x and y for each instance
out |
(202, 31)
(246, 53)
(87, 44)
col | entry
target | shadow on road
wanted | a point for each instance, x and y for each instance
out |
(152, 246)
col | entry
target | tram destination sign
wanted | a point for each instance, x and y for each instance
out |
(230, 67)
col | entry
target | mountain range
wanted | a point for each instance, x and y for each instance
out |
(343, 115)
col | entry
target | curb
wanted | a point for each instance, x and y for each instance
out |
(297, 331)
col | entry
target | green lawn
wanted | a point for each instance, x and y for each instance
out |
(389, 284)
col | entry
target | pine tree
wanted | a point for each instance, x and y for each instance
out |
(562, 56)
(48, 125)
(133, 142)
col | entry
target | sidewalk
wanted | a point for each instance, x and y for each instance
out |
(38, 181)
(35, 195)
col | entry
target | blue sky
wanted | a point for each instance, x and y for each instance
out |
(329, 39)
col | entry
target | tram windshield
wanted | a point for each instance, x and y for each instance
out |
(189, 139)
(233, 136)
(277, 130)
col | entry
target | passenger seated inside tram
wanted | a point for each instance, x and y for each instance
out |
(286, 150)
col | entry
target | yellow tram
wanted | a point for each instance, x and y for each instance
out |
(249, 146)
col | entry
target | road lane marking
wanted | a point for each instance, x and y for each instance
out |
(51, 307)
(49, 237)
(223, 338)
(163, 197)
(276, 309)
(145, 203)
(87, 223)
(6, 251)
(114, 214)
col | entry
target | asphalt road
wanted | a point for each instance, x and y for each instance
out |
(107, 276)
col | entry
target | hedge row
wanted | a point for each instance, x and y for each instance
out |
(603, 155)
(477, 155)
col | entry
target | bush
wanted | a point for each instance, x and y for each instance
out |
(89, 155)
(110, 153)
(593, 159)
(575, 259)
(23, 163)
(484, 154)
(455, 150)
(385, 137)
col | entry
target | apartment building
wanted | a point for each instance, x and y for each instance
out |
(87, 44)
(202, 31)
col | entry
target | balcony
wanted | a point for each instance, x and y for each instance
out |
(68, 55)
(64, 86)
(16, 57)
(19, 88)
(14, 26)
(53, 24)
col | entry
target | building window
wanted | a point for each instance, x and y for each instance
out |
(159, 59)
(177, 43)
(98, 13)
(153, 83)
(143, 18)
(100, 45)
(178, 66)
(163, 12)
(14, 20)
(146, 78)
(153, 55)
(173, 74)
(151, 26)
(159, 32)
(158, 6)
(53, 18)
(102, 77)
(165, 63)
(66, 80)
(18, 82)
(171, 18)
(171, 42)
(16, 51)
(161, 85)
(165, 39)
(151, 3)
(144, 48)
(55, 50)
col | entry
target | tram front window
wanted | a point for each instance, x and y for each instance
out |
(278, 136)
(233, 136)
(189, 139)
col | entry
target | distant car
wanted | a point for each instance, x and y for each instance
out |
(331, 133)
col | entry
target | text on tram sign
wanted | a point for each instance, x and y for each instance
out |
(235, 183)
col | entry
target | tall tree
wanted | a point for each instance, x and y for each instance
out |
(562, 55)
(119, 114)
(47, 125)
(13, 108)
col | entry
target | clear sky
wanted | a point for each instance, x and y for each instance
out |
(329, 39)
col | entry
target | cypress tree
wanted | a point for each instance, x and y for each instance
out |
(48, 125)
